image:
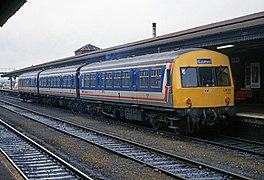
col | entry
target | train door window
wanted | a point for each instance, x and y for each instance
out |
(73, 81)
(144, 78)
(134, 79)
(125, 79)
(93, 80)
(206, 76)
(109, 79)
(103, 80)
(222, 76)
(156, 77)
(168, 77)
(117, 79)
(189, 77)
(98, 81)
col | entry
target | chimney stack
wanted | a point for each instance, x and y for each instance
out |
(153, 30)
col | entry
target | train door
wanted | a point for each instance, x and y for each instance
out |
(134, 83)
(77, 84)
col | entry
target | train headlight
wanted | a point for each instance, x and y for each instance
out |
(188, 101)
(227, 100)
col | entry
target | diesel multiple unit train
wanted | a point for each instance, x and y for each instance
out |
(184, 89)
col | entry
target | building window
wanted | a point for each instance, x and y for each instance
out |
(143, 78)
(125, 79)
(156, 78)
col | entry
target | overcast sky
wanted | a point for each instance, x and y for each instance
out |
(45, 30)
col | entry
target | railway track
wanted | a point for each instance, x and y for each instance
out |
(173, 165)
(242, 145)
(32, 160)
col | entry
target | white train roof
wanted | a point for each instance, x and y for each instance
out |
(61, 71)
(157, 58)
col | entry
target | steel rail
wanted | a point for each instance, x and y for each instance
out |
(250, 147)
(32, 159)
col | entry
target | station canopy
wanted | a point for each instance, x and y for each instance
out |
(246, 32)
(8, 8)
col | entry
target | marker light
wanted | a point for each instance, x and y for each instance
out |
(188, 101)
(227, 99)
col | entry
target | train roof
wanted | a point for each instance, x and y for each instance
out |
(63, 70)
(29, 74)
(157, 58)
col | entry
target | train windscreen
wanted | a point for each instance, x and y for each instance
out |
(205, 76)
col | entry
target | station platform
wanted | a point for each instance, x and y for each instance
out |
(7, 170)
(251, 113)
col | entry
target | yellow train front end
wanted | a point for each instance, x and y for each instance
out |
(202, 87)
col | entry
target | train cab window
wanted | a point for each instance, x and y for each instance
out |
(93, 80)
(125, 79)
(109, 79)
(117, 78)
(156, 77)
(144, 78)
(189, 77)
(206, 76)
(222, 76)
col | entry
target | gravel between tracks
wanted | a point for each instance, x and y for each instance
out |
(94, 161)
(106, 165)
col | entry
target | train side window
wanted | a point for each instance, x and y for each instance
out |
(67, 81)
(156, 77)
(144, 78)
(87, 80)
(125, 79)
(93, 80)
(109, 79)
(57, 81)
(117, 79)
(49, 81)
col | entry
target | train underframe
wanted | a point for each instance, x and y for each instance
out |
(182, 121)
